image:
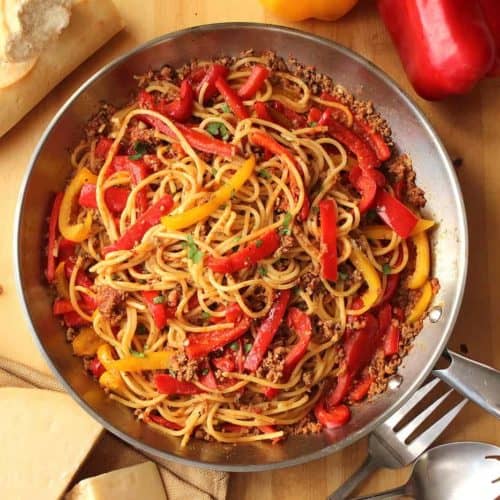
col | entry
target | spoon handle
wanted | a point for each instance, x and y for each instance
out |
(477, 382)
(394, 493)
(369, 466)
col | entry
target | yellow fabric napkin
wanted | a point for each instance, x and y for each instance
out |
(181, 482)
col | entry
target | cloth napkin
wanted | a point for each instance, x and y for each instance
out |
(181, 482)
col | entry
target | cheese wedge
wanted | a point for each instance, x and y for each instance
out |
(44, 438)
(141, 481)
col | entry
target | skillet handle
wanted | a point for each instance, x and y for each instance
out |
(477, 382)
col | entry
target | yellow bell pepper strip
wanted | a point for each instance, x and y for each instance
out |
(422, 261)
(422, 225)
(105, 355)
(112, 381)
(382, 232)
(86, 342)
(298, 10)
(218, 198)
(370, 275)
(79, 231)
(60, 281)
(142, 361)
(422, 303)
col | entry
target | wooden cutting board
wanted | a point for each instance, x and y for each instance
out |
(469, 128)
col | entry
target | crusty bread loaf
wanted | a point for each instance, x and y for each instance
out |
(29, 25)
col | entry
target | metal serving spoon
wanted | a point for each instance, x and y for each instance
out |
(455, 471)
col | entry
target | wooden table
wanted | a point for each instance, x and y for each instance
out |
(469, 127)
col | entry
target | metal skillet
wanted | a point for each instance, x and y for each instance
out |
(412, 133)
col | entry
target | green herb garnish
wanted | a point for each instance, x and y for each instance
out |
(218, 129)
(343, 276)
(225, 108)
(386, 269)
(193, 252)
(262, 271)
(140, 148)
(264, 173)
(213, 171)
(371, 215)
(258, 243)
(313, 124)
(234, 346)
(159, 299)
(137, 354)
(285, 228)
(204, 372)
(141, 329)
(247, 348)
(205, 315)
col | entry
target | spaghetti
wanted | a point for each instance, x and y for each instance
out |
(237, 256)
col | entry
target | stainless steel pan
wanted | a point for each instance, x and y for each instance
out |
(412, 133)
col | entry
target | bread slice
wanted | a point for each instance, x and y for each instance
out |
(29, 25)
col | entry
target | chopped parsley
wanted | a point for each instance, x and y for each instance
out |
(315, 210)
(204, 372)
(285, 229)
(296, 291)
(343, 276)
(193, 252)
(313, 124)
(137, 354)
(262, 271)
(264, 173)
(234, 346)
(258, 243)
(141, 329)
(140, 148)
(213, 171)
(218, 129)
(237, 238)
(205, 315)
(371, 215)
(386, 269)
(159, 299)
(247, 348)
(225, 108)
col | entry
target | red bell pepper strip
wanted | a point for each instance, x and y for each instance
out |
(254, 82)
(445, 46)
(215, 71)
(368, 189)
(396, 215)
(181, 108)
(390, 288)
(248, 256)
(159, 310)
(102, 147)
(66, 249)
(360, 390)
(51, 246)
(74, 320)
(300, 323)
(373, 138)
(82, 278)
(115, 197)
(287, 117)
(267, 330)
(232, 314)
(267, 429)
(226, 362)
(314, 115)
(261, 111)
(362, 150)
(340, 391)
(96, 367)
(268, 143)
(158, 419)
(391, 341)
(356, 173)
(138, 171)
(240, 357)
(384, 319)
(207, 378)
(328, 221)
(491, 11)
(166, 384)
(146, 221)
(399, 189)
(62, 306)
(336, 416)
(231, 98)
(196, 139)
(202, 344)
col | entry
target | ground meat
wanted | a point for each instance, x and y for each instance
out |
(184, 368)
(401, 169)
(139, 133)
(287, 244)
(199, 433)
(272, 365)
(166, 73)
(173, 297)
(111, 304)
(310, 282)
(325, 330)
(153, 162)
(307, 378)
(307, 425)
(99, 124)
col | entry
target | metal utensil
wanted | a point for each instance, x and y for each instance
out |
(455, 471)
(388, 448)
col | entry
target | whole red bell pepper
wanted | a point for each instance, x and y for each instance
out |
(248, 256)
(445, 46)
(395, 214)
(51, 246)
(328, 221)
(158, 309)
(202, 344)
(147, 220)
(267, 330)
(115, 197)
(232, 99)
(166, 384)
(254, 82)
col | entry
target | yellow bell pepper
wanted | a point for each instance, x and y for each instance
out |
(105, 355)
(61, 282)
(150, 361)
(218, 198)
(422, 225)
(79, 231)
(370, 275)
(422, 261)
(298, 10)
(112, 381)
(422, 303)
(382, 232)
(86, 342)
